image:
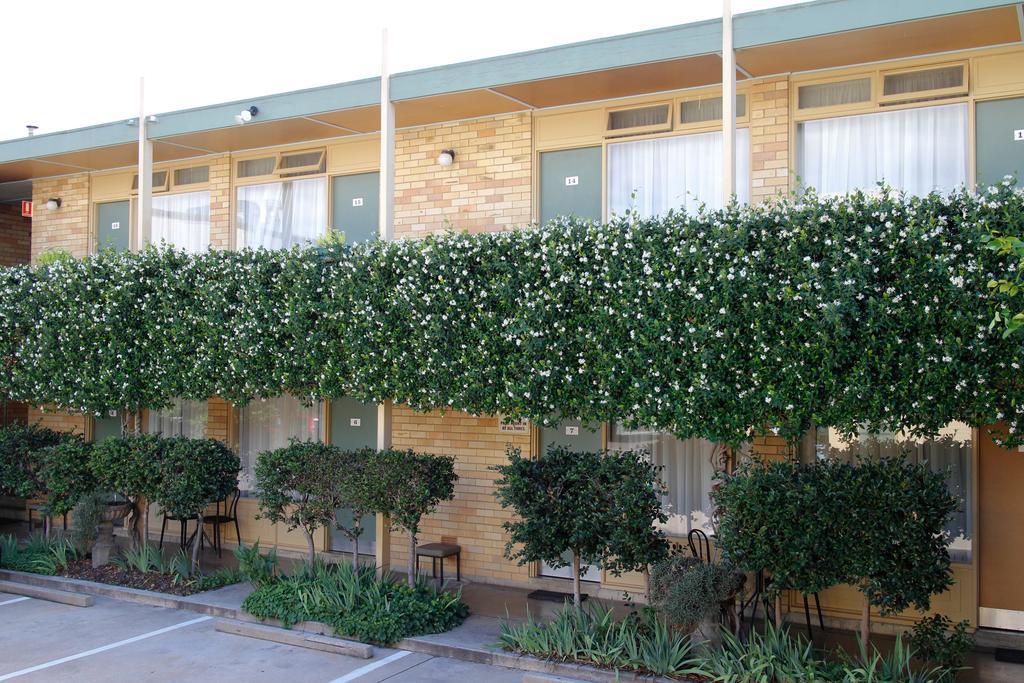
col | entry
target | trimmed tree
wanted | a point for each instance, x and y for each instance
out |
(66, 474)
(412, 486)
(130, 466)
(20, 458)
(193, 474)
(296, 487)
(359, 488)
(599, 507)
(900, 513)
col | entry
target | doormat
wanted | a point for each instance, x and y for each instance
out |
(554, 596)
(1005, 654)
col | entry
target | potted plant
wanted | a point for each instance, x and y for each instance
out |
(695, 596)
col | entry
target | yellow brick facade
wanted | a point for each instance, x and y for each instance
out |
(220, 202)
(64, 228)
(486, 188)
(770, 168)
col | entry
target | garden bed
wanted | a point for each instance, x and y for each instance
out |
(150, 580)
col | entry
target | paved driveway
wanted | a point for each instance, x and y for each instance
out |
(44, 641)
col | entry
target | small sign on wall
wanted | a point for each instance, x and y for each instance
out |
(26, 209)
(1018, 135)
(514, 427)
(572, 431)
(355, 422)
(116, 225)
(572, 180)
(357, 201)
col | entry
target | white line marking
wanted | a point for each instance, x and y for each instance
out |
(104, 648)
(353, 675)
(8, 602)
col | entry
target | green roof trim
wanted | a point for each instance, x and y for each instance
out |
(774, 25)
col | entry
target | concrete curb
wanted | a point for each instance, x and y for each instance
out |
(50, 594)
(424, 644)
(311, 641)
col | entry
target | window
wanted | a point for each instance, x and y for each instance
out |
(652, 119)
(950, 451)
(674, 172)
(834, 94)
(917, 84)
(159, 181)
(689, 468)
(182, 418)
(708, 109)
(191, 176)
(253, 168)
(182, 220)
(264, 425)
(300, 163)
(282, 214)
(917, 150)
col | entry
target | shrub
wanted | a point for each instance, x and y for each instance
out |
(256, 568)
(20, 447)
(296, 487)
(599, 506)
(36, 554)
(361, 488)
(412, 485)
(939, 642)
(66, 474)
(689, 591)
(86, 516)
(357, 604)
(641, 642)
(772, 657)
(130, 466)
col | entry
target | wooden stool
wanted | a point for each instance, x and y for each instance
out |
(439, 551)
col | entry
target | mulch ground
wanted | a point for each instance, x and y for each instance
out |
(115, 576)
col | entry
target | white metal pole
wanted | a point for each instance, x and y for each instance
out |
(387, 146)
(145, 199)
(386, 231)
(728, 105)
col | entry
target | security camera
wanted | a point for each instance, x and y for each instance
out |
(246, 115)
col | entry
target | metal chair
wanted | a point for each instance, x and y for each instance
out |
(226, 513)
(700, 545)
(182, 528)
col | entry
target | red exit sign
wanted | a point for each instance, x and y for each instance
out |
(26, 209)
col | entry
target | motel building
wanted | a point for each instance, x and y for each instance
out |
(831, 94)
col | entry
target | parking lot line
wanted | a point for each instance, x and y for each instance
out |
(104, 648)
(8, 602)
(353, 675)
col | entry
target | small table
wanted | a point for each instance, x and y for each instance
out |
(439, 551)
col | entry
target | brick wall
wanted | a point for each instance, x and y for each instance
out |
(487, 188)
(60, 421)
(769, 139)
(64, 228)
(220, 202)
(474, 518)
(15, 236)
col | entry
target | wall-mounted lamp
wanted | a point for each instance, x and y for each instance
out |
(53, 203)
(31, 129)
(246, 115)
(446, 157)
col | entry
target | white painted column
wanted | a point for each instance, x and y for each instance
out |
(386, 231)
(144, 202)
(728, 105)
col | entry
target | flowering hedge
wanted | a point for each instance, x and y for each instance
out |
(868, 309)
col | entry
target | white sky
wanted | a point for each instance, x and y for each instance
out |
(71, 63)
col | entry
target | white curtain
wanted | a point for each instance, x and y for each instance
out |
(688, 470)
(917, 150)
(265, 425)
(182, 418)
(182, 220)
(950, 453)
(675, 172)
(283, 214)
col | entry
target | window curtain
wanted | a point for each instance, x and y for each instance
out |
(182, 418)
(282, 215)
(917, 150)
(182, 220)
(265, 425)
(688, 470)
(951, 452)
(677, 172)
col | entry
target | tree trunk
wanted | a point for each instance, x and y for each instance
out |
(412, 560)
(647, 581)
(576, 599)
(355, 544)
(865, 622)
(195, 546)
(778, 611)
(312, 550)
